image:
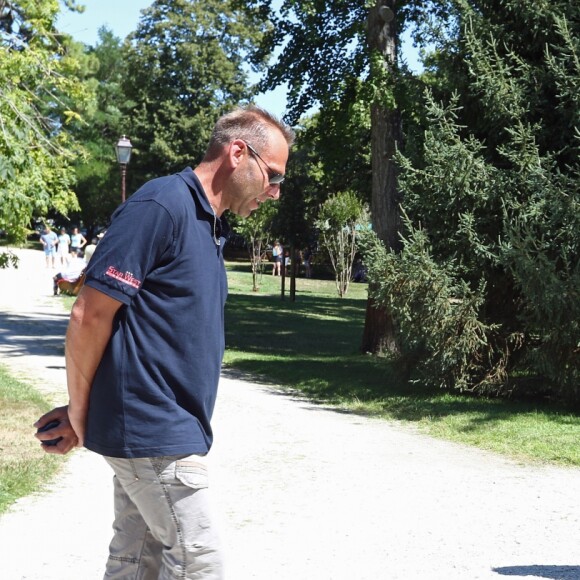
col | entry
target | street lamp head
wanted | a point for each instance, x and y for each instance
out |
(123, 148)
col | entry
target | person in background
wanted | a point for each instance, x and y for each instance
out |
(145, 343)
(359, 272)
(73, 270)
(277, 255)
(90, 249)
(307, 261)
(77, 240)
(63, 247)
(49, 240)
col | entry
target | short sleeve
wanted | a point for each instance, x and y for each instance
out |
(139, 238)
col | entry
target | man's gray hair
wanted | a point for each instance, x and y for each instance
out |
(251, 123)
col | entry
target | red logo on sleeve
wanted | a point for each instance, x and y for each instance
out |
(125, 277)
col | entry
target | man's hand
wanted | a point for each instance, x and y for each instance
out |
(64, 430)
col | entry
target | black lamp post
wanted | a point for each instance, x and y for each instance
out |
(123, 148)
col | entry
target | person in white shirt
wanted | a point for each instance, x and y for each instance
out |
(73, 270)
(90, 249)
(63, 247)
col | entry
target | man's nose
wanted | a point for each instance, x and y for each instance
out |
(273, 191)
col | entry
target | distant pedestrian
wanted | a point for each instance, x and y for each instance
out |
(277, 256)
(77, 240)
(49, 240)
(63, 250)
(307, 262)
(90, 249)
(359, 272)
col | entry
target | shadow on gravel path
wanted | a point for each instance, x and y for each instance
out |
(33, 333)
(551, 572)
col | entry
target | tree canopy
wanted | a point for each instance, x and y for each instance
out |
(39, 94)
(491, 193)
(97, 174)
(185, 67)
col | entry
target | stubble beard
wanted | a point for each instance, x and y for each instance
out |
(243, 192)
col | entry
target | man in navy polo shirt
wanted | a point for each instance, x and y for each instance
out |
(145, 343)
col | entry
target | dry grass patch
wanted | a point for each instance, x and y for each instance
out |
(24, 467)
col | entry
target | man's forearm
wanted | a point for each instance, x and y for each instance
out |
(87, 336)
(85, 345)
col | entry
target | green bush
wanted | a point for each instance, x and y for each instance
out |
(444, 340)
(485, 290)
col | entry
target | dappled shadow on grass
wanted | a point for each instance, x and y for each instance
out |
(372, 387)
(239, 266)
(315, 327)
(312, 346)
(333, 380)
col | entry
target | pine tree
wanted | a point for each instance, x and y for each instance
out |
(492, 200)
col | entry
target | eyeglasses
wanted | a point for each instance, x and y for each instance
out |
(274, 178)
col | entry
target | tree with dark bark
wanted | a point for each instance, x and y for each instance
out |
(379, 335)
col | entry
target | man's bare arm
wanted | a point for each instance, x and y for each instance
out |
(87, 336)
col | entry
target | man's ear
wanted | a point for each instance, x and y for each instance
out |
(236, 152)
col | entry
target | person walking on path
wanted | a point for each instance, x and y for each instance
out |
(49, 241)
(77, 240)
(142, 385)
(63, 247)
(277, 256)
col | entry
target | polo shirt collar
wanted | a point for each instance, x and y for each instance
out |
(196, 188)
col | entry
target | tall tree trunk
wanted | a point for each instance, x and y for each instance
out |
(379, 334)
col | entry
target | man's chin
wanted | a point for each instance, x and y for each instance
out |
(247, 211)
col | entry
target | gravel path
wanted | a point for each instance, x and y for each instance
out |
(305, 492)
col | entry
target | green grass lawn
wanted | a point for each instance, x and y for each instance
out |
(24, 466)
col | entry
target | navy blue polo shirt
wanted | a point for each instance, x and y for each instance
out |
(155, 388)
